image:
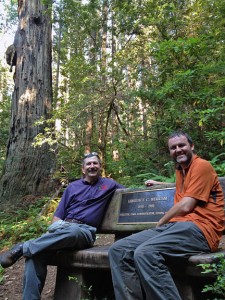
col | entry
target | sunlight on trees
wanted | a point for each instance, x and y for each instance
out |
(131, 72)
(127, 73)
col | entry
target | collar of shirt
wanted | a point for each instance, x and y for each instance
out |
(89, 183)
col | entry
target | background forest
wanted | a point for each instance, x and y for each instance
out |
(124, 75)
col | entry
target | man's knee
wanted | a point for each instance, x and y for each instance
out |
(143, 253)
(117, 248)
(113, 249)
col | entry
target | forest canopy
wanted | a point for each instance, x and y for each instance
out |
(126, 74)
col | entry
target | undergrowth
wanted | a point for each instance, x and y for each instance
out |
(218, 268)
(22, 224)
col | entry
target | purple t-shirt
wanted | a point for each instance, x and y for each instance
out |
(86, 202)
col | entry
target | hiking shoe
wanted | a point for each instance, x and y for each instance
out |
(8, 258)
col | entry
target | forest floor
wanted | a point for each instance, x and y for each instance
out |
(11, 288)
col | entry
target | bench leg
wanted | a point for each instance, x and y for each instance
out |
(70, 285)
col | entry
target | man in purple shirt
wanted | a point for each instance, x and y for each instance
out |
(74, 225)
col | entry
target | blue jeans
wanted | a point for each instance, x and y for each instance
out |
(61, 235)
(138, 262)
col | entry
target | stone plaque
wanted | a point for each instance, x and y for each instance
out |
(145, 206)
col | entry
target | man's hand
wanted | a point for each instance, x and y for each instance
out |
(151, 182)
(182, 208)
(55, 219)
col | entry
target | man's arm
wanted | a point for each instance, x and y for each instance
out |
(60, 211)
(182, 208)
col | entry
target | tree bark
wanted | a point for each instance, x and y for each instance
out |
(28, 168)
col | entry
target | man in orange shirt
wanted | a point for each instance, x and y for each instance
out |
(193, 225)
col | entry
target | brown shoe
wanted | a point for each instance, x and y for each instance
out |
(8, 258)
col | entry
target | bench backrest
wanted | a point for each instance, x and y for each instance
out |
(133, 210)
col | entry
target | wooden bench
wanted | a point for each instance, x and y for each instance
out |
(85, 274)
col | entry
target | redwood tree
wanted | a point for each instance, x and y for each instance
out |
(28, 168)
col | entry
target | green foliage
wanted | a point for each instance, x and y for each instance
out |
(218, 268)
(5, 90)
(126, 74)
(2, 271)
(24, 223)
(218, 163)
(10, 13)
(169, 75)
(85, 289)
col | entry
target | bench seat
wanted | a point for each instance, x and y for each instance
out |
(97, 258)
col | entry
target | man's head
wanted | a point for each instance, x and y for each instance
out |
(91, 167)
(181, 147)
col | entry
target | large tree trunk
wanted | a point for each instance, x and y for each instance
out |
(28, 168)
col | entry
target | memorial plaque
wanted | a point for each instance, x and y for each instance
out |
(145, 206)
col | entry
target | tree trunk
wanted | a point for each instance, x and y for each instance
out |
(28, 168)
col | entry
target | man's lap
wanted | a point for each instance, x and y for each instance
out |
(183, 237)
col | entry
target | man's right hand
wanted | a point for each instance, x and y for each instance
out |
(55, 219)
(151, 182)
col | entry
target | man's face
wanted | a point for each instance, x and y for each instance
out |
(180, 150)
(91, 168)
